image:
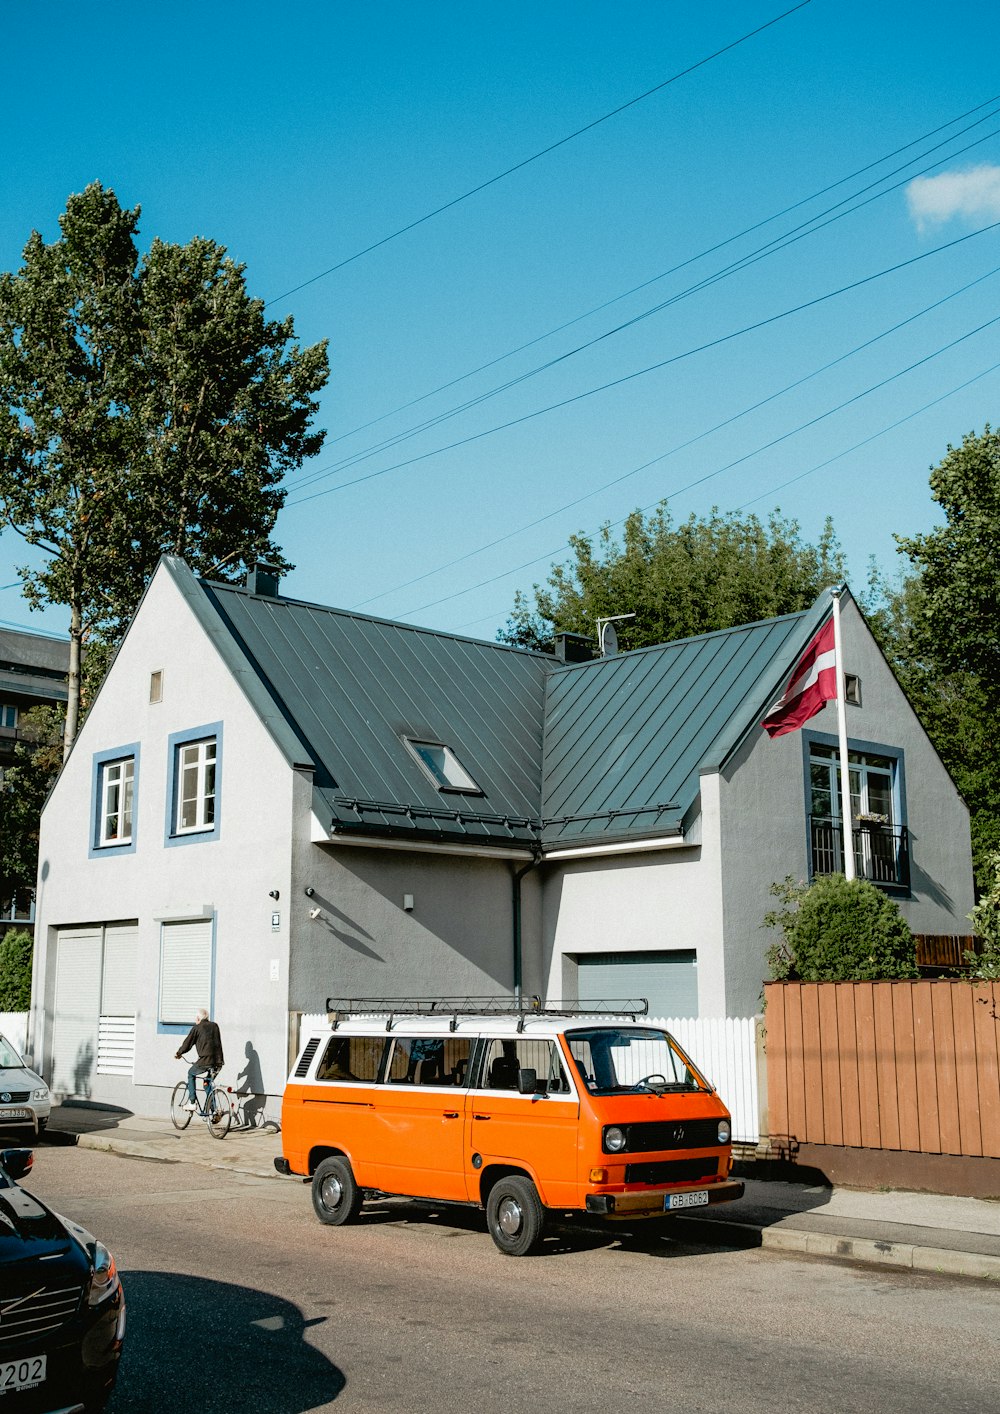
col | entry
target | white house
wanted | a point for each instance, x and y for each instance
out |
(271, 802)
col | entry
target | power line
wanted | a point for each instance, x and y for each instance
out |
(650, 368)
(690, 260)
(771, 248)
(820, 466)
(681, 446)
(536, 156)
(738, 461)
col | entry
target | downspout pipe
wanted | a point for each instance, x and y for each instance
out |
(516, 878)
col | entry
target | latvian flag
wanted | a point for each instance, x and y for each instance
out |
(813, 682)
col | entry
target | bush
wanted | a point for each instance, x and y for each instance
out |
(839, 930)
(984, 966)
(15, 970)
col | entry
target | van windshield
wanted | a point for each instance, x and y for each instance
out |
(631, 1059)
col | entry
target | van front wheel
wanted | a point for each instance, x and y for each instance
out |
(515, 1216)
(336, 1196)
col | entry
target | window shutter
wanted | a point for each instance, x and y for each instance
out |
(118, 992)
(185, 970)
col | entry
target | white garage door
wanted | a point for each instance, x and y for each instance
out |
(77, 1009)
(668, 980)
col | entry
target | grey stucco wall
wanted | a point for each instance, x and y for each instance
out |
(456, 941)
(228, 878)
(764, 827)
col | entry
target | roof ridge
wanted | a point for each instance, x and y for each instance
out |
(692, 638)
(377, 619)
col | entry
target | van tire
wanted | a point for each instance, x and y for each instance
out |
(336, 1196)
(515, 1216)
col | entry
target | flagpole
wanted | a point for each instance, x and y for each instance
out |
(845, 775)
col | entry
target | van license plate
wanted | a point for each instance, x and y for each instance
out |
(15, 1114)
(22, 1374)
(685, 1200)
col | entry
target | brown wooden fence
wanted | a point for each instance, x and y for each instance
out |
(885, 1065)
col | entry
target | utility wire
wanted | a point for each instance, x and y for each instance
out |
(654, 279)
(536, 156)
(650, 368)
(738, 461)
(820, 466)
(681, 446)
(771, 248)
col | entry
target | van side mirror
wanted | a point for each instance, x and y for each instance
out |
(527, 1079)
(16, 1162)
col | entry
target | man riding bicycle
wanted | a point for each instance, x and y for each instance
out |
(206, 1038)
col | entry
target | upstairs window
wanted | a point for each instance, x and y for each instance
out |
(443, 767)
(196, 786)
(8, 714)
(117, 799)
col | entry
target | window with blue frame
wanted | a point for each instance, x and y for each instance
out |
(115, 792)
(195, 770)
(877, 828)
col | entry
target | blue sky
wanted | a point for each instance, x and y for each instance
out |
(298, 136)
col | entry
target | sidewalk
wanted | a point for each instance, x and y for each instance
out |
(922, 1232)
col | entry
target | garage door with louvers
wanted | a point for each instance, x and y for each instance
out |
(669, 980)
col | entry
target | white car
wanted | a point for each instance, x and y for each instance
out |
(25, 1101)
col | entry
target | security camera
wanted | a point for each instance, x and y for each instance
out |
(315, 912)
(273, 893)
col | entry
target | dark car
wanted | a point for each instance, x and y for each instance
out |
(62, 1310)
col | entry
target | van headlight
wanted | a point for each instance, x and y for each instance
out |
(42, 1094)
(615, 1139)
(104, 1279)
(725, 1131)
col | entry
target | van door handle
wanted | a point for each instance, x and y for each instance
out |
(475, 1116)
(451, 1114)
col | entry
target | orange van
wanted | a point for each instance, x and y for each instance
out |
(516, 1108)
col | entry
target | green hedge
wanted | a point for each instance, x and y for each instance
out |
(15, 970)
(839, 930)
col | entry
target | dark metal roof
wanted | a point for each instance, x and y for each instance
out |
(352, 688)
(626, 736)
(563, 754)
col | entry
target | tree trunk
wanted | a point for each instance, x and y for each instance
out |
(73, 683)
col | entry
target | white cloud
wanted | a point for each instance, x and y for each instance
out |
(973, 194)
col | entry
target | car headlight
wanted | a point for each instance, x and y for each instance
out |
(104, 1279)
(725, 1131)
(615, 1139)
(42, 1094)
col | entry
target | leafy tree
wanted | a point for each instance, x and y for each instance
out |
(985, 918)
(959, 564)
(15, 970)
(146, 406)
(23, 789)
(838, 930)
(679, 580)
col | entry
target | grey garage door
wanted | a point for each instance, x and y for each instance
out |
(669, 980)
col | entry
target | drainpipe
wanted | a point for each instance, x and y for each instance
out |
(516, 878)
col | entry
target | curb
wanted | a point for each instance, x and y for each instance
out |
(932, 1261)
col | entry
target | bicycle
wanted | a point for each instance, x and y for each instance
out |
(247, 1113)
(215, 1108)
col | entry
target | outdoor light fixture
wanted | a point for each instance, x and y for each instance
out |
(309, 891)
(273, 893)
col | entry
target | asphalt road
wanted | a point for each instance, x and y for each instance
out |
(240, 1302)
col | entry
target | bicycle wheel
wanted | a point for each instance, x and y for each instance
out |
(179, 1116)
(220, 1114)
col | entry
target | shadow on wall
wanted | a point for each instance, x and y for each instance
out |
(922, 885)
(260, 1338)
(250, 1087)
(83, 1071)
(348, 933)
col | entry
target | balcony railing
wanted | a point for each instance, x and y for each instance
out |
(881, 852)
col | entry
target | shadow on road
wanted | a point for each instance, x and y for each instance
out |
(195, 1346)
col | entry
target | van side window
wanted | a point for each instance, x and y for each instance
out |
(351, 1058)
(506, 1056)
(429, 1060)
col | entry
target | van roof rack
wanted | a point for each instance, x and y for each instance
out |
(454, 1007)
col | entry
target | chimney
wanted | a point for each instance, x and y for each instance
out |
(263, 579)
(573, 647)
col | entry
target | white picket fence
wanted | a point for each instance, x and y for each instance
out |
(723, 1048)
(14, 1025)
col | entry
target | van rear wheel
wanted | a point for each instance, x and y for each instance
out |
(515, 1216)
(336, 1196)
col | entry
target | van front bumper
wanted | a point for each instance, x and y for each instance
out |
(650, 1202)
